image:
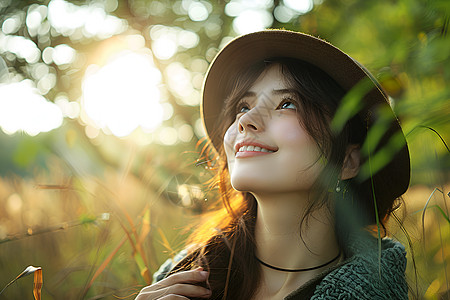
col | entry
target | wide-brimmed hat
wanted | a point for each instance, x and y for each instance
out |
(390, 155)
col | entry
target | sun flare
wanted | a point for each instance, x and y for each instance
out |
(123, 94)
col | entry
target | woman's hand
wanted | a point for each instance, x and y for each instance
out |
(181, 285)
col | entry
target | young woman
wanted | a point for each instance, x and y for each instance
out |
(310, 164)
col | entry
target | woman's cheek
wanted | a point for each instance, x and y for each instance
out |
(291, 134)
(229, 141)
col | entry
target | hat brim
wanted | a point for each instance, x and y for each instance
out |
(244, 51)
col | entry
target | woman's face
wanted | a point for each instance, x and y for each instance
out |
(267, 149)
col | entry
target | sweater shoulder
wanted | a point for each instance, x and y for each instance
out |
(368, 275)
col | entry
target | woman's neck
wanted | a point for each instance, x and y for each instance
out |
(279, 242)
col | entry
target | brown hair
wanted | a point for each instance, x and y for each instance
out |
(225, 241)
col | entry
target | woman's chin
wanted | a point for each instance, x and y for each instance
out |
(243, 185)
(251, 185)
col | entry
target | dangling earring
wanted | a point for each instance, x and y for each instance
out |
(338, 188)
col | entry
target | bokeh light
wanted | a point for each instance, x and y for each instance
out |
(164, 48)
(21, 47)
(283, 14)
(301, 6)
(12, 24)
(4, 73)
(168, 136)
(197, 11)
(70, 109)
(63, 54)
(22, 108)
(35, 16)
(124, 94)
(185, 133)
(90, 20)
(180, 84)
(251, 21)
(250, 16)
(166, 41)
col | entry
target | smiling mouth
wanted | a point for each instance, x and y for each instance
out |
(254, 149)
(251, 149)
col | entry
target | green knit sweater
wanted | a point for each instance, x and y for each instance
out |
(364, 274)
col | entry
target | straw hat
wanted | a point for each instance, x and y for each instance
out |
(392, 180)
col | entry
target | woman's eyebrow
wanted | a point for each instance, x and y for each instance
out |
(249, 94)
(275, 92)
(284, 91)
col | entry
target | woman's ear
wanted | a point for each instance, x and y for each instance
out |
(352, 162)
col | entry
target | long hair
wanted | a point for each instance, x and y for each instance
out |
(224, 242)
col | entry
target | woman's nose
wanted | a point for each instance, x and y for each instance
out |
(252, 121)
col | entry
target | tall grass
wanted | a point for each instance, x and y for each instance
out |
(94, 237)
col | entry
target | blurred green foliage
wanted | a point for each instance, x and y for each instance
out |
(53, 183)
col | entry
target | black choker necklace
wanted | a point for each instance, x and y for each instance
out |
(298, 270)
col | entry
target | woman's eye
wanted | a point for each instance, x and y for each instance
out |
(242, 108)
(287, 105)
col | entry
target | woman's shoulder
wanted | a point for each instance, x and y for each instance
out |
(368, 274)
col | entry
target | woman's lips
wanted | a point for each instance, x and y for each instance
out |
(244, 149)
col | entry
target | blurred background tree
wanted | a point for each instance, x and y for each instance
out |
(100, 134)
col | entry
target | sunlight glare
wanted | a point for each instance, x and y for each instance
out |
(123, 94)
(22, 108)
